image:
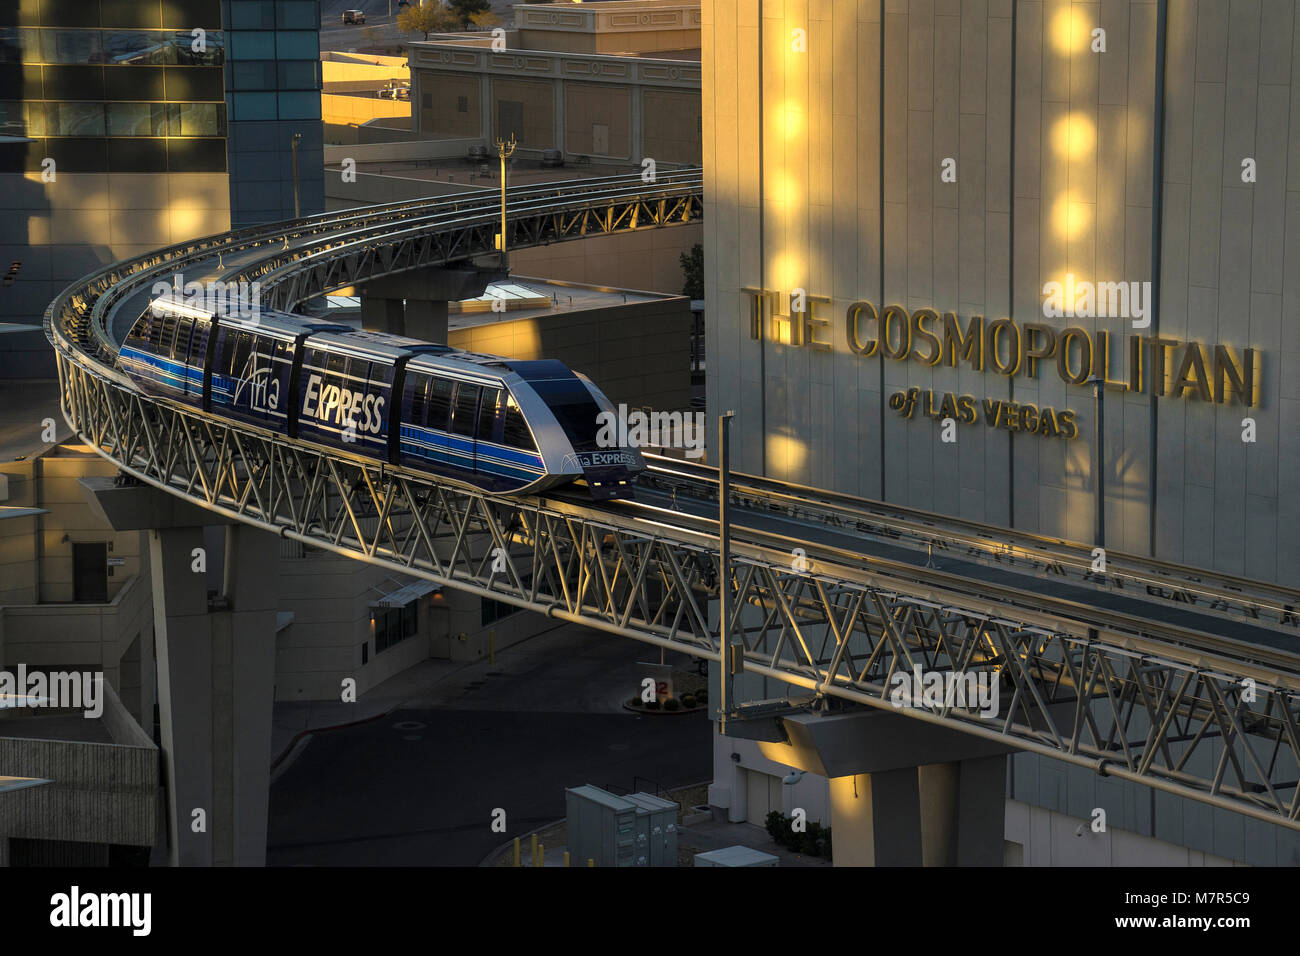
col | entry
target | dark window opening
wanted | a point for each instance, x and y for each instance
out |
(392, 625)
(90, 572)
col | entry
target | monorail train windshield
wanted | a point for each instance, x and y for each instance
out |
(573, 407)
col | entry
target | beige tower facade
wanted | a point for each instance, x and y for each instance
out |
(982, 206)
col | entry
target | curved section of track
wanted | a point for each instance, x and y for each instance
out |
(1206, 704)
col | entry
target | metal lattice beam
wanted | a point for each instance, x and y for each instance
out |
(1219, 729)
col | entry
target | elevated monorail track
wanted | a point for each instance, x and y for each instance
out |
(946, 540)
(1197, 698)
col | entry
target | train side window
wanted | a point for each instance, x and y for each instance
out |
(419, 388)
(358, 373)
(264, 346)
(167, 335)
(239, 346)
(199, 344)
(487, 414)
(466, 410)
(516, 433)
(181, 347)
(359, 384)
(439, 403)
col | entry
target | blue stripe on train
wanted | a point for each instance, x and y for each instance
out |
(164, 371)
(452, 451)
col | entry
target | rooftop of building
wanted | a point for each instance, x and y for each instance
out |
(526, 297)
(653, 29)
(523, 169)
(24, 407)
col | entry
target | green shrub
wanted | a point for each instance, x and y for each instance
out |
(652, 705)
(688, 700)
(815, 840)
(635, 702)
(702, 695)
(672, 703)
(775, 824)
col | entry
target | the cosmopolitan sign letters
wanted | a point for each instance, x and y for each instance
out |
(1151, 364)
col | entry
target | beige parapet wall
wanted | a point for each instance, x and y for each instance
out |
(371, 188)
(355, 110)
(401, 152)
(350, 77)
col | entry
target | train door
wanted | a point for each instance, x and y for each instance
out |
(488, 432)
(371, 387)
(425, 417)
(464, 423)
(180, 356)
(438, 418)
(200, 339)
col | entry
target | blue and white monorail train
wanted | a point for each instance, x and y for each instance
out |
(500, 425)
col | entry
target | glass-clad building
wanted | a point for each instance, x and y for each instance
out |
(112, 86)
(273, 82)
(129, 125)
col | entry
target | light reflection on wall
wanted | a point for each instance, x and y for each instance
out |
(1073, 136)
(1070, 31)
(785, 453)
(1070, 215)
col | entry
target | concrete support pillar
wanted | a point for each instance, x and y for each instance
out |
(982, 811)
(379, 314)
(876, 819)
(938, 785)
(215, 683)
(426, 292)
(426, 319)
(902, 792)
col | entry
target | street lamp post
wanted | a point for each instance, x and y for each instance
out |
(293, 145)
(505, 149)
(731, 652)
(1099, 460)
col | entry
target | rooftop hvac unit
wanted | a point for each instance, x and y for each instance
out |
(478, 153)
(552, 158)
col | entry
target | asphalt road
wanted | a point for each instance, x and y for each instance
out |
(418, 787)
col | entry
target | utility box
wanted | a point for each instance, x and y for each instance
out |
(657, 818)
(603, 827)
(736, 856)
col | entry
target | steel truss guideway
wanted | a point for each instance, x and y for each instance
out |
(1183, 711)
